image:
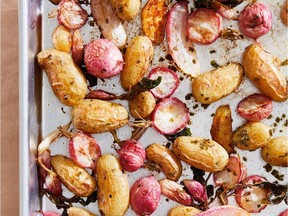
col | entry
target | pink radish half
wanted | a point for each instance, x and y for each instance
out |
(181, 49)
(175, 192)
(169, 82)
(284, 213)
(234, 172)
(145, 195)
(225, 210)
(71, 14)
(131, 155)
(84, 150)
(204, 26)
(170, 116)
(50, 214)
(250, 197)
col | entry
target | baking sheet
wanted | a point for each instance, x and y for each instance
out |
(54, 113)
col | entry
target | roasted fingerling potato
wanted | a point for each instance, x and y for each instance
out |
(154, 17)
(113, 188)
(262, 69)
(142, 105)
(201, 153)
(221, 130)
(126, 9)
(213, 85)
(251, 136)
(62, 38)
(66, 79)
(73, 177)
(183, 211)
(137, 58)
(97, 116)
(74, 211)
(276, 151)
(165, 158)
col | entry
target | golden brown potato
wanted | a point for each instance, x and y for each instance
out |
(262, 69)
(113, 189)
(74, 178)
(137, 58)
(201, 153)
(183, 211)
(221, 130)
(66, 79)
(251, 136)
(154, 17)
(164, 157)
(74, 211)
(142, 105)
(276, 151)
(97, 116)
(216, 84)
(126, 9)
(284, 12)
(62, 38)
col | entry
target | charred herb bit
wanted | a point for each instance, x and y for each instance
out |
(185, 132)
(244, 137)
(267, 167)
(277, 175)
(64, 213)
(284, 63)
(91, 79)
(231, 34)
(214, 64)
(210, 190)
(198, 175)
(278, 192)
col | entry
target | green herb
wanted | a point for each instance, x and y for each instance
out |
(185, 132)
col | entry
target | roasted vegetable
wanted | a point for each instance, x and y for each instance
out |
(183, 211)
(75, 178)
(62, 38)
(221, 130)
(74, 211)
(66, 79)
(138, 55)
(201, 153)
(262, 69)
(154, 17)
(126, 9)
(113, 188)
(276, 151)
(164, 157)
(216, 84)
(142, 105)
(255, 20)
(110, 24)
(145, 195)
(96, 116)
(251, 136)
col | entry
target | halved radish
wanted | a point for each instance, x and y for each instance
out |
(284, 213)
(50, 213)
(77, 47)
(101, 95)
(181, 49)
(250, 198)
(224, 10)
(255, 20)
(174, 191)
(170, 116)
(53, 183)
(225, 210)
(71, 14)
(131, 155)
(197, 190)
(169, 82)
(255, 107)
(84, 150)
(204, 26)
(234, 172)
